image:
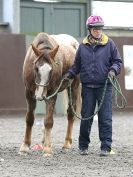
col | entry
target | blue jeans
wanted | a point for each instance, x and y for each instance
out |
(91, 96)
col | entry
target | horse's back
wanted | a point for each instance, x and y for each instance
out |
(67, 40)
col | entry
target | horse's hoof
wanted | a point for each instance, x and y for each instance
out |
(67, 147)
(23, 153)
(47, 150)
(24, 149)
(47, 155)
(65, 150)
(67, 144)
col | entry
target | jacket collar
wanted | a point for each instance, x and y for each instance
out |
(104, 40)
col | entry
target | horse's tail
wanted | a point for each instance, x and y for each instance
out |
(78, 101)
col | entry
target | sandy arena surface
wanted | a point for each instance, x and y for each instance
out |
(65, 164)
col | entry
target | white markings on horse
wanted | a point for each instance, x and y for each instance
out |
(44, 72)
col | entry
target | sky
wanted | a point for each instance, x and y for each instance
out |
(114, 13)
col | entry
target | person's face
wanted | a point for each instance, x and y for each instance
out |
(96, 32)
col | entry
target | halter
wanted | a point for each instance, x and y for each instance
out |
(49, 79)
(50, 75)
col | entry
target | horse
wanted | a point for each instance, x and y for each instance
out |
(46, 62)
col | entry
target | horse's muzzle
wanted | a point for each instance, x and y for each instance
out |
(39, 93)
(39, 98)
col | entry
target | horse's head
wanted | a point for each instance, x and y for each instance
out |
(43, 69)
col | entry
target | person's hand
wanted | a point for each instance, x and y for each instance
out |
(67, 76)
(111, 74)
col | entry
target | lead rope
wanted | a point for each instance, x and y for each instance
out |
(118, 92)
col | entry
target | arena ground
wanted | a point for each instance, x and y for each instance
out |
(65, 164)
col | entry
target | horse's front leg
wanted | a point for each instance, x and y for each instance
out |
(48, 124)
(31, 105)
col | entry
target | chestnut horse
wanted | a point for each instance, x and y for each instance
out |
(46, 62)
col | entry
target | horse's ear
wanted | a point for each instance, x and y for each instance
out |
(53, 52)
(36, 50)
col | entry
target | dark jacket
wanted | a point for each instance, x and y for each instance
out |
(94, 63)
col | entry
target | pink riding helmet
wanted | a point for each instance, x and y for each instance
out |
(94, 21)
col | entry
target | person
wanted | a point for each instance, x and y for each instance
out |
(96, 58)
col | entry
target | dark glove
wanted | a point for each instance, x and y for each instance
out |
(67, 76)
(111, 74)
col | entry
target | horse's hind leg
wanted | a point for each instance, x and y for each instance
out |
(70, 114)
(68, 139)
(31, 105)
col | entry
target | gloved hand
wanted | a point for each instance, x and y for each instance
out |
(111, 74)
(67, 76)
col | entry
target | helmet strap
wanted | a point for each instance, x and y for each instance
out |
(95, 37)
(92, 38)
